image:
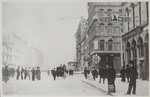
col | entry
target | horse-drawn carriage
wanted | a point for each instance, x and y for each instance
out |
(60, 71)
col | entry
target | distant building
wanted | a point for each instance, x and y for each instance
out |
(80, 36)
(13, 50)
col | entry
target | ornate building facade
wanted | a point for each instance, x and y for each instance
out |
(13, 50)
(135, 37)
(104, 35)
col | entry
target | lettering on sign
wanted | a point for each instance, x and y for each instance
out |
(115, 19)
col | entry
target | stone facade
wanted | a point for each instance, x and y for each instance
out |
(104, 37)
(136, 37)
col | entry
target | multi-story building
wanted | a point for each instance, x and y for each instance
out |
(136, 36)
(13, 50)
(80, 36)
(104, 34)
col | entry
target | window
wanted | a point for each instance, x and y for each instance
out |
(101, 44)
(109, 31)
(110, 45)
(140, 45)
(128, 51)
(101, 12)
(109, 28)
(101, 28)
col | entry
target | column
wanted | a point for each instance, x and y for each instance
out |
(145, 67)
(138, 63)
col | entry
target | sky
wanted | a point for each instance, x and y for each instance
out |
(40, 24)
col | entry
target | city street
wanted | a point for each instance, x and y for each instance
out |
(72, 85)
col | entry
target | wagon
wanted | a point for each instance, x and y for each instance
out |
(60, 71)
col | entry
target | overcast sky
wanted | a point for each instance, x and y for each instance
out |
(40, 23)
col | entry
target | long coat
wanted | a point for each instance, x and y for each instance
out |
(133, 74)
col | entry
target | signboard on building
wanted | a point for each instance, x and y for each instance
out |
(115, 18)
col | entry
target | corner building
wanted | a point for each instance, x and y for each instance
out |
(135, 37)
(104, 37)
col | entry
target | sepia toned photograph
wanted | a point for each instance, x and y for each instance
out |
(75, 48)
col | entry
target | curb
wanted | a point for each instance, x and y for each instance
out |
(98, 88)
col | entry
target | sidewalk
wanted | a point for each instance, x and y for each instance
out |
(142, 87)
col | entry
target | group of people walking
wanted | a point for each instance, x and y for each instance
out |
(35, 73)
(109, 73)
(21, 73)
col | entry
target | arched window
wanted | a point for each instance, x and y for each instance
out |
(134, 51)
(110, 47)
(101, 45)
(140, 45)
(128, 51)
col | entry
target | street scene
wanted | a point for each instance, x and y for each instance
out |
(75, 48)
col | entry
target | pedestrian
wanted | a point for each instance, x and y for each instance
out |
(33, 74)
(22, 71)
(94, 73)
(85, 72)
(133, 76)
(127, 70)
(111, 76)
(122, 72)
(18, 72)
(6, 74)
(38, 73)
(29, 72)
(25, 73)
(102, 74)
(54, 73)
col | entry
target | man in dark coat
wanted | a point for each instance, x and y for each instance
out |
(22, 71)
(33, 74)
(6, 74)
(25, 73)
(111, 76)
(18, 72)
(102, 73)
(85, 72)
(94, 73)
(133, 76)
(38, 72)
(54, 73)
(122, 72)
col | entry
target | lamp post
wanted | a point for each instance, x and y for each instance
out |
(96, 59)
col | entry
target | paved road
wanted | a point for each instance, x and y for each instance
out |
(71, 86)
